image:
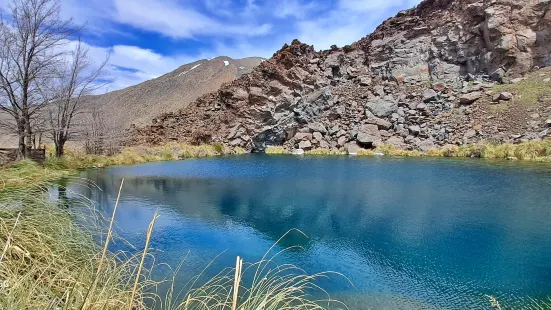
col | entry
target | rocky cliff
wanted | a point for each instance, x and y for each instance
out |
(423, 79)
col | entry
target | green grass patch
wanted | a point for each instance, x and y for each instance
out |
(529, 91)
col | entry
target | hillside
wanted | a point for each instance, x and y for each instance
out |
(175, 90)
(424, 79)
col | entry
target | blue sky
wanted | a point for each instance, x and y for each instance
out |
(147, 38)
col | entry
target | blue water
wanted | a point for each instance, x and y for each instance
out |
(408, 233)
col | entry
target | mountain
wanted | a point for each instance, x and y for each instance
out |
(426, 78)
(139, 104)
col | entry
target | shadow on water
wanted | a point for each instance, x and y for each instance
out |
(414, 233)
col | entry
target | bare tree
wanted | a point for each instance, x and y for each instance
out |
(102, 135)
(76, 78)
(30, 51)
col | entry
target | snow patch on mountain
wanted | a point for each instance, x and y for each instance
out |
(194, 67)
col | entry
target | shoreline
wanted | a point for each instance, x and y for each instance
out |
(26, 173)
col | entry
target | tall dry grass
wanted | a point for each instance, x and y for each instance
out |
(52, 260)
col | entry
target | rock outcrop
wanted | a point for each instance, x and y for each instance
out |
(422, 80)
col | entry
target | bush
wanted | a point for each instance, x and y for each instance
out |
(218, 147)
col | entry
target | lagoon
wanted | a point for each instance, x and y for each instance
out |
(421, 233)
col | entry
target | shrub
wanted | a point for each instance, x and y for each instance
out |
(218, 147)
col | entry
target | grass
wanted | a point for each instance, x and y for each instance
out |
(322, 151)
(27, 172)
(49, 261)
(533, 151)
(530, 90)
(276, 150)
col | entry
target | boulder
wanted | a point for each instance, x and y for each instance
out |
(548, 122)
(342, 141)
(414, 129)
(381, 123)
(369, 135)
(236, 142)
(382, 107)
(353, 72)
(505, 96)
(397, 142)
(430, 95)
(317, 126)
(305, 145)
(318, 136)
(303, 136)
(352, 148)
(426, 145)
(365, 81)
(470, 134)
(421, 107)
(469, 98)
(298, 152)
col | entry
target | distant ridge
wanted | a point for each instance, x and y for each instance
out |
(139, 104)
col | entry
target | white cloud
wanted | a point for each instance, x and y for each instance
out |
(189, 30)
(369, 6)
(350, 21)
(131, 65)
(294, 8)
(171, 19)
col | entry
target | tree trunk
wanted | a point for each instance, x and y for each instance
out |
(29, 134)
(21, 135)
(60, 147)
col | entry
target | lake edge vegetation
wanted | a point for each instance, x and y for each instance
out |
(26, 172)
(51, 260)
(539, 151)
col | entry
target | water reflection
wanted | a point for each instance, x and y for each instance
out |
(432, 232)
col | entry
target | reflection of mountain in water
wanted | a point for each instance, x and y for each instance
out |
(436, 227)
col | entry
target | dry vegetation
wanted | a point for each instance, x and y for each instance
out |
(532, 150)
(27, 172)
(48, 261)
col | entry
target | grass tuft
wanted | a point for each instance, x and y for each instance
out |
(322, 151)
(276, 150)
